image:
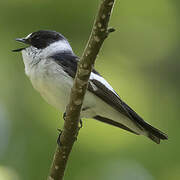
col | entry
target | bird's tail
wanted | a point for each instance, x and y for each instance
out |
(153, 133)
(150, 131)
(146, 129)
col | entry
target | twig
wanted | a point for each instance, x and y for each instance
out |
(69, 134)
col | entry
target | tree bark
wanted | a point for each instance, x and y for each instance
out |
(70, 130)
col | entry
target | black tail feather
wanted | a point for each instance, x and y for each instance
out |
(153, 133)
(150, 131)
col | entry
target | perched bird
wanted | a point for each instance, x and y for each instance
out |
(51, 66)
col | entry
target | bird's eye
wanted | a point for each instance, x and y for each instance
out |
(36, 38)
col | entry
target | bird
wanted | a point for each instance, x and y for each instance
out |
(51, 65)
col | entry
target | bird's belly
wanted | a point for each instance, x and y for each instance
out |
(53, 87)
(55, 96)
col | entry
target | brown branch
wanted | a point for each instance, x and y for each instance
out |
(70, 130)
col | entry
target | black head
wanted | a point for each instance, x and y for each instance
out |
(41, 39)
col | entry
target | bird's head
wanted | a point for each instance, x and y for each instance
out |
(44, 43)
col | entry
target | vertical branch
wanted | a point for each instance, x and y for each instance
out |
(99, 33)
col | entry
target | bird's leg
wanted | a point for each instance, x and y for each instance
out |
(59, 137)
(80, 121)
(64, 116)
(60, 131)
(81, 124)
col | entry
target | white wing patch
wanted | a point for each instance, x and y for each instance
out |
(28, 36)
(93, 86)
(103, 81)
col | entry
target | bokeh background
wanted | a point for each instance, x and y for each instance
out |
(140, 60)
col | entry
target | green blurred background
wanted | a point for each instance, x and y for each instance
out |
(140, 60)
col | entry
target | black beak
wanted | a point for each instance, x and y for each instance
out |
(22, 40)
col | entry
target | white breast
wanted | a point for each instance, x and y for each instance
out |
(52, 82)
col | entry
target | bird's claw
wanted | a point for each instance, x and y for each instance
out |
(60, 131)
(59, 137)
(64, 116)
(81, 124)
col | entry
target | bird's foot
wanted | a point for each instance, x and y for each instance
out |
(81, 124)
(64, 116)
(59, 137)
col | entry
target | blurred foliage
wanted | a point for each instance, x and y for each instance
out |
(140, 60)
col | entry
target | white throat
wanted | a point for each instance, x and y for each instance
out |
(32, 55)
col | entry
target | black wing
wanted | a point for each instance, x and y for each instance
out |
(69, 61)
(108, 96)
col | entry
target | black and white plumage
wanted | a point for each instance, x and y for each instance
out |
(51, 66)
